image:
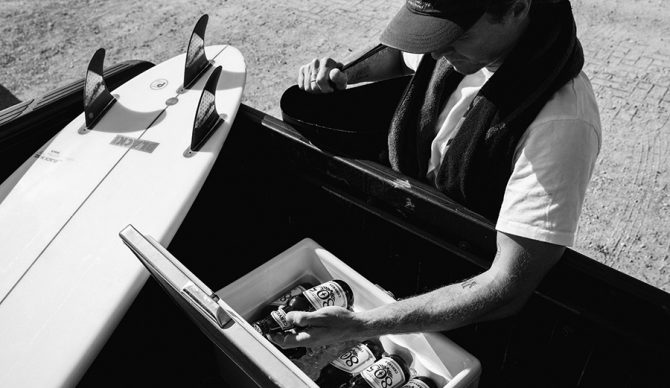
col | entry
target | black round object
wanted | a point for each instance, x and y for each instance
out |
(352, 123)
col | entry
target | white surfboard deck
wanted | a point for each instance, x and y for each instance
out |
(66, 279)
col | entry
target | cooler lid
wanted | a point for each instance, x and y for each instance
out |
(230, 332)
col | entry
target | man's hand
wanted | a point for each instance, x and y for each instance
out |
(324, 326)
(322, 76)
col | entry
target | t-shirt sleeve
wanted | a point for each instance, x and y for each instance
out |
(544, 196)
(411, 60)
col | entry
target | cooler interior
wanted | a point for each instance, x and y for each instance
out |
(431, 355)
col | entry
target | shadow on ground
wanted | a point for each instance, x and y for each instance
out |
(7, 99)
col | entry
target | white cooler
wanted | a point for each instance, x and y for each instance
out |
(248, 358)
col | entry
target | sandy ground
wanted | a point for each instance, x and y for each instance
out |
(626, 217)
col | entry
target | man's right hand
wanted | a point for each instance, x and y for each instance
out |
(325, 326)
(322, 76)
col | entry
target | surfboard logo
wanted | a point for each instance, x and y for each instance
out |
(51, 156)
(158, 84)
(136, 144)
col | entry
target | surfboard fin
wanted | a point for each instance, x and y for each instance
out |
(97, 98)
(207, 119)
(196, 60)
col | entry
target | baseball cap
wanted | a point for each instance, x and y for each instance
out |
(423, 26)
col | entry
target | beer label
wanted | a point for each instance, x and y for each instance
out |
(280, 317)
(385, 373)
(326, 294)
(354, 360)
(414, 383)
(288, 295)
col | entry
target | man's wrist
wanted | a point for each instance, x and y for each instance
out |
(364, 325)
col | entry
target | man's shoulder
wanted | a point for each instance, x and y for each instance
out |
(553, 165)
(575, 101)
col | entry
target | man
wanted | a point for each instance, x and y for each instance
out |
(500, 118)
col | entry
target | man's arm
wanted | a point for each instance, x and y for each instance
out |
(325, 75)
(519, 266)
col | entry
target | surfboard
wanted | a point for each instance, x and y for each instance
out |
(138, 154)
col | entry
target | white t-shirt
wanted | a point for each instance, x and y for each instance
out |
(553, 161)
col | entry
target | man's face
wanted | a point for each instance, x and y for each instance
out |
(484, 44)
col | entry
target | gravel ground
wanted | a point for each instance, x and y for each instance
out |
(626, 217)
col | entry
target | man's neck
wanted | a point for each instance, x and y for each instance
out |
(516, 37)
